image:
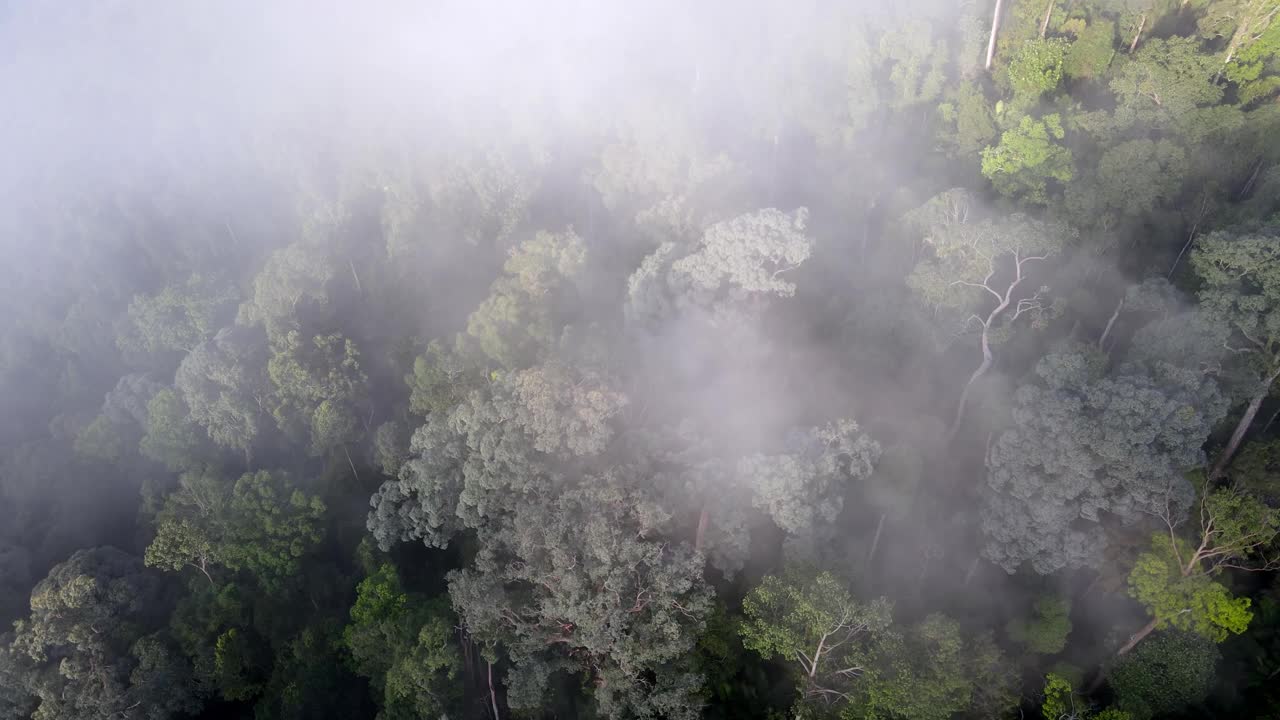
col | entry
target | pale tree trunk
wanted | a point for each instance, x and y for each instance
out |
(359, 288)
(987, 360)
(1136, 638)
(1141, 24)
(995, 30)
(973, 570)
(1241, 428)
(1133, 641)
(1204, 202)
(875, 542)
(1254, 23)
(353, 465)
(1048, 13)
(701, 533)
(1102, 341)
(493, 696)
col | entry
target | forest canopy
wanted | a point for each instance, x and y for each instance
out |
(819, 360)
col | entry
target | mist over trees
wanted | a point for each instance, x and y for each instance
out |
(813, 359)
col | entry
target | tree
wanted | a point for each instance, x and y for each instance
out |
(1085, 444)
(263, 524)
(1027, 158)
(293, 285)
(318, 389)
(575, 583)
(1035, 69)
(814, 624)
(748, 253)
(170, 437)
(1062, 703)
(804, 490)
(1240, 287)
(516, 325)
(180, 316)
(1047, 632)
(975, 269)
(1162, 87)
(88, 644)
(403, 644)
(1164, 675)
(224, 384)
(1174, 579)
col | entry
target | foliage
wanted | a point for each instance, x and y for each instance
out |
(1165, 674)
(1046, 632)
(1027, 158)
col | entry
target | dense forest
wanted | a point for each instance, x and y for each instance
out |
(812, 359)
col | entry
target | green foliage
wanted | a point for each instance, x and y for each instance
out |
(804, 491)
(1091, 53)
(179, 317)
(88, 645)
(262, 524)
(516, 323)
(318, 389)
(1035, 69)
(1240, 287)
(1165, 674)
(968, 112)
(1027, 158)
(1046, 633)
(1085, 443)
(171, 438)
(1194, 603)
(404, 645)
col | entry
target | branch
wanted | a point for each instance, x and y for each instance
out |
(982, 286)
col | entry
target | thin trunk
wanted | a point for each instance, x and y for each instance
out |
(352, 265)
(493, 696)
(1252, 178)
(353, 465)
(1048, 12)
(987, 360)
(201, 568)
(1134, 639)
(875, 541)
(813, 666)
(995, 30)
(1141, 24)
(701, 533)
(1102, 341)
(1204, 201)
(973, 570)
(1267, 427)
(1241, 428)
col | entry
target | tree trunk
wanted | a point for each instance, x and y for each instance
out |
(702, 528)
(1102, 341)
(1136, 638)
(875, 542)
(987, 360)
(493, 696)
(1141, 24)
(995, 29)
(973, 570)
(1204, 201)
(1252, 179)
(1241, 428)
(353, 465)
(1048, 13)
(359, 288)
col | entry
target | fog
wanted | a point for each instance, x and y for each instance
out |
(595, 359)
